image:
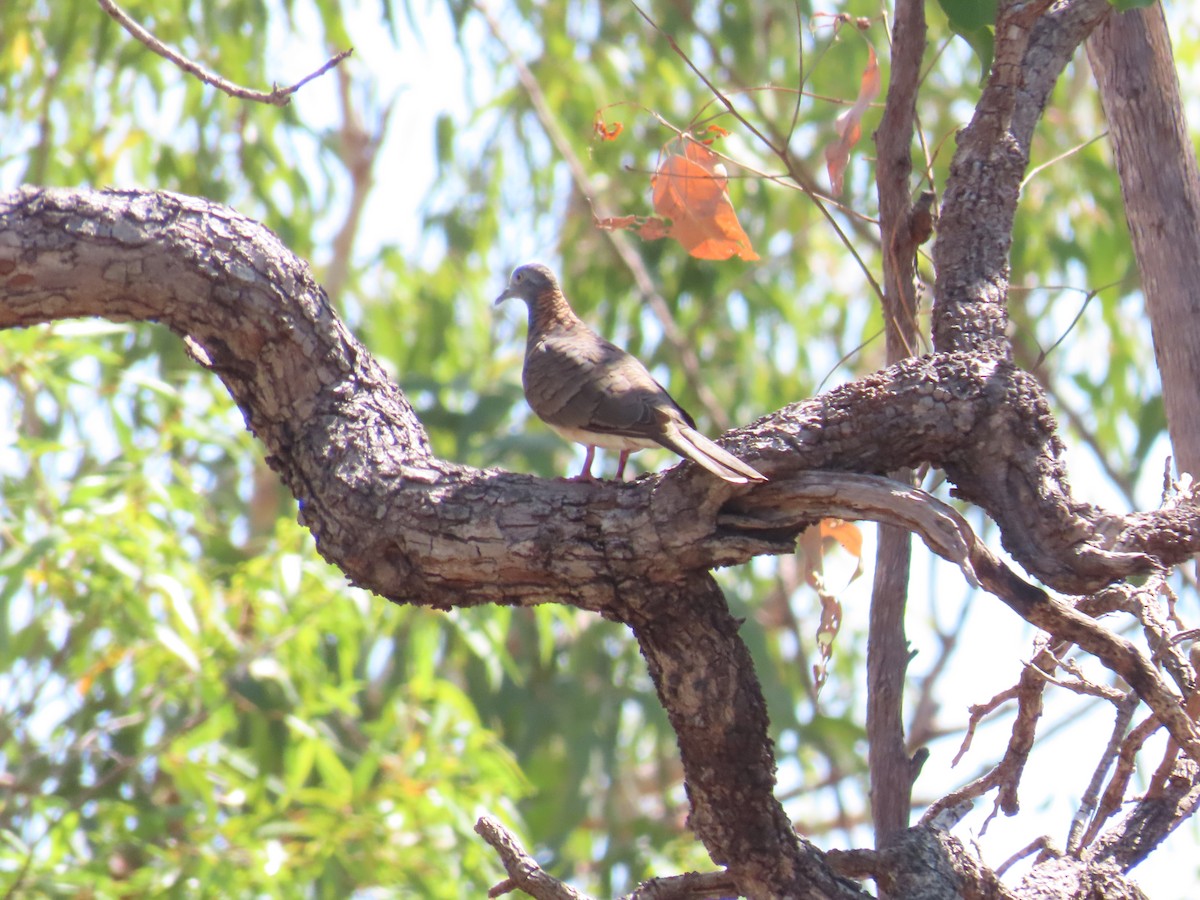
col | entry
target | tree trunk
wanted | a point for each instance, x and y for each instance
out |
(1131, 56)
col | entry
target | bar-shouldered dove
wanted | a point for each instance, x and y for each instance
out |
(593, 392)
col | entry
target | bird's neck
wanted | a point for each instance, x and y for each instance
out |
(551, 312)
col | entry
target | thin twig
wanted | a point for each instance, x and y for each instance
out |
(1091, 796)
(699, 73)
(799, 70)
(947, 533)
(1114, 794)
(1033, 172)
(277, 96)
(523, 870)
(1037, 845)
(1079, 685)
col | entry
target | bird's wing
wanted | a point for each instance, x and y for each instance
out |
(576, 379)
(579, 383)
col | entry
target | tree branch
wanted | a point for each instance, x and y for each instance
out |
(980, 198)
(523, 871)
(277, 96)
(705, 680)
(1130, 54)
(892, 771)
(414, 528)
(443, 534)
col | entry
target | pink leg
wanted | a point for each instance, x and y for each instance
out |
(621, 465)
(586, 473)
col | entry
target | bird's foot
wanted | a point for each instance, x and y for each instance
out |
(585, 478)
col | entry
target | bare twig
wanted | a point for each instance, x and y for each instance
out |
(1091, 796)
(523, 871)
(277, 96)
(688, 886)
(1039, 845)
(1114, 794)
(1150, 820)
(1078, 684)
(977, 712)
(948, 535)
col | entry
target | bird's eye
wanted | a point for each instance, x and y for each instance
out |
(518, 277)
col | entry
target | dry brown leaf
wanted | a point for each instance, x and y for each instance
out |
(849, 124)
(603, 130)
(845, 533)
(690, 190)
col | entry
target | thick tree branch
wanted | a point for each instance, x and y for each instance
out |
(349, 446)
(924, 862)
(706, 682)
(980, 198)
(414, 528)
(1160, 182)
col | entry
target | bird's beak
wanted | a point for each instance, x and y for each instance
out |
(506, 294)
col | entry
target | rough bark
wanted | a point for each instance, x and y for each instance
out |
(350, 448)
(980, 199)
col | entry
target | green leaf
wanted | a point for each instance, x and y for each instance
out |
(974, 21)
(969, 15)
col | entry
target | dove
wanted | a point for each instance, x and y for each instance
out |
(590, 391)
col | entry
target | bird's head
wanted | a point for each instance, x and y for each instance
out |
(529, 282)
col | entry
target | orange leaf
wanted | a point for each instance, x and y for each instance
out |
(690, 191)
(603, 130)
(845, 533)
(849, 124)
(707, 159)
(655, 229)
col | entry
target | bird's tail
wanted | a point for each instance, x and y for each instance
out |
(691, 443)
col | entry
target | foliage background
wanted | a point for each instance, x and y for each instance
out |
(192, 703)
